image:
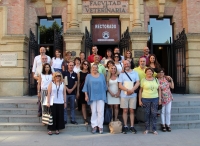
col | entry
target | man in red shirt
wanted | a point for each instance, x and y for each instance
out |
(94, 52)
(146, 54)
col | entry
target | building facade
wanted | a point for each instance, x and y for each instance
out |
(17, 17)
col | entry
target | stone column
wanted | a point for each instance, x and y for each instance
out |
(137, 21)
(74, 14)
(139, 41)
(193, 63)
(73, 41)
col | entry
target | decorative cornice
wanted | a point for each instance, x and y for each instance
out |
(161, 8)
(48, 4)
(124, 16)
(15, 39)
(193, 36)
(86, 17)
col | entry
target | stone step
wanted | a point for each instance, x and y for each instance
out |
(192, 109)
(30, 105)
(33, 104)
(79, 119)
(84, 128)
(18, 111)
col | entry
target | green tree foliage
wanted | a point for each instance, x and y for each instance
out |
(47, 34)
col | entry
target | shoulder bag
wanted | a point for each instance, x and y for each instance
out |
(140, 114)
(47, 117)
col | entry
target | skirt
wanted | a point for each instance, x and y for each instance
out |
(57, 111)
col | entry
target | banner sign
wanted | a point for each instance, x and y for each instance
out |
(105, 6)
(105, 31)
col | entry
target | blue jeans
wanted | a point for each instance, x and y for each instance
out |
(151, 109)
(71, 99)
(57, 70)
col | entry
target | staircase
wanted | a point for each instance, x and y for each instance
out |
(20, 114)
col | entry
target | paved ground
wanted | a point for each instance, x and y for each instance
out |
(175, 138)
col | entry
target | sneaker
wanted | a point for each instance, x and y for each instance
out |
(94, 130)
(124, 130)
(132, 130)
(100, 130)
(74, 122)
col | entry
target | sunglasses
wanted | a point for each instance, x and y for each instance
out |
(58, 75)
(85, 64)
(116, 56)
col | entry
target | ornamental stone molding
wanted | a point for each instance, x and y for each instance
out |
(193, 37)
(161, 8)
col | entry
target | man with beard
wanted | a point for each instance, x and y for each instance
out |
(128, 96)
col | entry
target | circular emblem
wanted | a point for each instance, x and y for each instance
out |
(105, 35)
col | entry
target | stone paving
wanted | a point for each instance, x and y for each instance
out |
(183, 137)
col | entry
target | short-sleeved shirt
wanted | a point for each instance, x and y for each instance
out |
(150, 88)
(65, 64)
(123, 77)
(91, 58)
(72, 78)
(141, 72)
(37, 62)
(101, 69)
(95, 87)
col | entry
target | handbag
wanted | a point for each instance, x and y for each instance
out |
(107, 115)
(141, 114)
(159, 107)
(47, 117)
(137, 90)
(115, 127)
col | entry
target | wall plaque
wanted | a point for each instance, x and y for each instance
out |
(105, 6)
(8, 59)
(138, 54)
(105, 31)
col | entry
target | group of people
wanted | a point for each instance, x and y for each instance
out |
(96, 81)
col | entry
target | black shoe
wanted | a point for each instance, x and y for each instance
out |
(125, 130)
(39, 115)
(168, 128)
(65, 122)
(74, 122)
(132, 130)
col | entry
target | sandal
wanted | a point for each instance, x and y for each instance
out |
(50, 133)
(57, 132)
(155, 133)
(168, 129)
(163, 128)
(146, 132)
(86, 122)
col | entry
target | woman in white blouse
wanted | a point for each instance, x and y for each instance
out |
(77, 62)
(118, 64)
(56, 62)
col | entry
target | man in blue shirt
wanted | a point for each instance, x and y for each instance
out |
(128, 96)
(70, 78)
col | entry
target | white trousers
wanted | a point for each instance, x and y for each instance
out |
(166, 114)
(97, 117)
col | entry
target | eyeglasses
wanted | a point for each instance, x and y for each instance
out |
(85, 64)
(58, 75)
(116, 56)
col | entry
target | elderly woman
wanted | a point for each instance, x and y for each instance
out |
(149, 98)
(57, 91)
(166, 99)
(95, 94)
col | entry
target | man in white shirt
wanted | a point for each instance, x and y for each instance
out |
(37, 60)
